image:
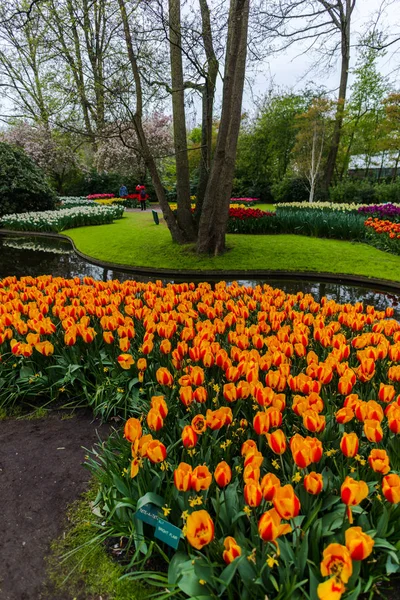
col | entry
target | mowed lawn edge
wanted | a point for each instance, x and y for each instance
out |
(136, 241)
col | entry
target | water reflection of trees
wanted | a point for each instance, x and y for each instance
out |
(22, 262)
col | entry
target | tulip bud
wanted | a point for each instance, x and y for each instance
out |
(313, 483)
(358, 543)
(222, 474)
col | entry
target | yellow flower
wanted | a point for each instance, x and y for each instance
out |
(379, 497)
(275, 464)
(247, 510)
(105, 369)
(164, 465)
(192, 451)
(353, 469)
(252, 556)
(120, 390)
(238, 469)
(195, 501)
(330, 452)
(216, 388)
(271, 561)
(166, 510)
(202, 581)
(297, 477)
(184, 515)
(61, 389)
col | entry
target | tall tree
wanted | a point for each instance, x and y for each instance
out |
(325, 24)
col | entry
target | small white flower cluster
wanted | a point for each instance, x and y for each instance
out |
(71, 201)
(19, 244)
(65, 218)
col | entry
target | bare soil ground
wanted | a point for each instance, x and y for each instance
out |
(41, 473)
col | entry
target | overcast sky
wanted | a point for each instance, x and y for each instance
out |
(290, 70)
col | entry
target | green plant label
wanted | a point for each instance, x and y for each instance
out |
(149, 513)
(168, 533)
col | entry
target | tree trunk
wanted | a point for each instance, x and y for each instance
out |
(344, 73)
(207, 108)
(215, 212)
(178, 235)
(184, 213)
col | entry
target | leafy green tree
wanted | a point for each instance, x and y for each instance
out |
(23, 186)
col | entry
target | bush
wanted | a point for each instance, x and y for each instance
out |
(290, 189)
(23, 187)
(349, 191)
(388, 192)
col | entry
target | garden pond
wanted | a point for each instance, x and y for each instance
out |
(37, 255)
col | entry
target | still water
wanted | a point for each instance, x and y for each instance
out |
(21, 256)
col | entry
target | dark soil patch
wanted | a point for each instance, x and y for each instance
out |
(40, 474)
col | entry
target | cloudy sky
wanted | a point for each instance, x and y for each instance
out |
(291, 70)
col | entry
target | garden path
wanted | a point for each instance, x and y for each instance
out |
(41, 472)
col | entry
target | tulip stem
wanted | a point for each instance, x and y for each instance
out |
(283, 468)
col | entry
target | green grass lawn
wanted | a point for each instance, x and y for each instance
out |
(135, 240)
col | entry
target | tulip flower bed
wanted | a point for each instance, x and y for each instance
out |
(131, 201)
(65, 218)
(389, 211)
(72, 201)
(250, 220)
(383, 234)
(245, 201)
(99, 196)
(260, 456)
(321, 221)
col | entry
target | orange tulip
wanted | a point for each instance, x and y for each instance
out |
(379, 461)
(218, 418)
(337, 561)
(316, 448)
(159, 403)
(344, 415)
(269, 485)
(261, 423)
(248, 446)
(135, 465)
(332, 589)
(313, 483)
(373, 430)
(197, 376)
(349, 444)
(230, 392)
(142, 364)
(199, 424)
(154, 419)
(352, 493)
(223, 474)
(286, 502)
(277, 441)
(189, 437)
(232, 550)
(301, 451)
(254, 458)
(132, 430)
(45, 348)
(165, 347)
(164, 377)
(200, 394)
(201, 478)
(391, 488)
(386, 393)
(186, 395)
(313, 421)
(270, 528)
(251, 473)
(199, 529)
(182, 477)
(252, 494)
(125, 361)
(358, 543)
(156, 451)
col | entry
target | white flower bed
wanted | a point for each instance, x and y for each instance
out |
(65, 218)
(324, 206)
(72, 201)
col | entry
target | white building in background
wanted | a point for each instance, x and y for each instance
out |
(380, 166)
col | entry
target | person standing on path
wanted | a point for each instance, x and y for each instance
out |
(142, 197)
(123, 191)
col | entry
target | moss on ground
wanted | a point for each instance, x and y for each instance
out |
(135, 240)
(88, 572)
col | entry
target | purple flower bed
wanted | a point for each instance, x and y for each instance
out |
(388, 211)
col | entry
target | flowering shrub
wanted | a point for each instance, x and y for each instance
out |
(65, 218)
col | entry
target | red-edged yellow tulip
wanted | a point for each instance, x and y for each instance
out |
(349, 444)
(313, 483)
(229, 392)
(373, 430)
(156, 451)
(386, 393)
(154, 419)
(332, 589)
(132, 429)
(352, 493)
(391, 488)
(186, 395)
(189, 437)
(164, 377)
(141, 364)
(344, 415)
(313, 421)
(199, 424)
(182, 477)
(261, 423)
(159, 403)
(252, 494)
(200, 394)
(232, 550)
(199, 529)
(358, 543)
(336, 560)
(248, 446)
(286, 502)
(201, 478)
(270, 528)
(125, 361)
(165, 347)
(223, 474)
(269, 484)
(379, 461)
(277, 441)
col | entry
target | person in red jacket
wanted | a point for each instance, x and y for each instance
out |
(142, 197)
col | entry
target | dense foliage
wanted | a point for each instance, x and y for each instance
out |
(23, 186)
